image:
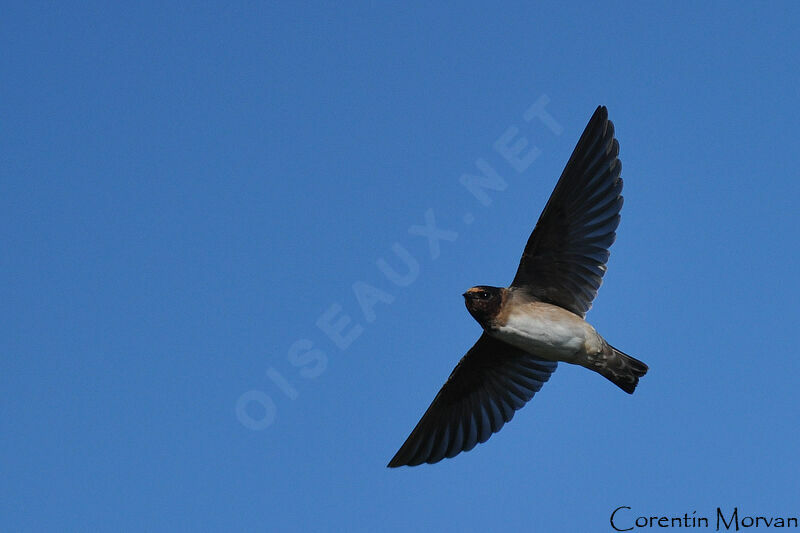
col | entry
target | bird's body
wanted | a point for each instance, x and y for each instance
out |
(538, 320)
(550, 332)
(547, 331)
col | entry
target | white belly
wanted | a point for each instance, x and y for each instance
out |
(547, 335)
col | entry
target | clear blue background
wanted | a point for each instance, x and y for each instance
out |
(186, 189)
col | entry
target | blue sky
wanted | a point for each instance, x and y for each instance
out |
(186, 190)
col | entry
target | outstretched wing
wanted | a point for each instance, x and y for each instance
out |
(565, 257)
(491, 381)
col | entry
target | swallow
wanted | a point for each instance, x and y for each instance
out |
(538, 321)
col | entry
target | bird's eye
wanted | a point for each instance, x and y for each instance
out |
(483, 295)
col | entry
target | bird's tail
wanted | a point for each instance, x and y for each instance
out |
(621, 369)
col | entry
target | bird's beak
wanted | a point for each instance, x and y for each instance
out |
(465, 294)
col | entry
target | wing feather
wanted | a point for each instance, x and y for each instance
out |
(565, 257)
(490, 383)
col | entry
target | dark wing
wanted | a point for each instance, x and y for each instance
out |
(492, 381)
(565, 258)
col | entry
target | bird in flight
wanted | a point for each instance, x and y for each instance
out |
(538, 321)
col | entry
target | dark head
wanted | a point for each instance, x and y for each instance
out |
(483, 303)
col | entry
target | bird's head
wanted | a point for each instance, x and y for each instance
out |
(483, 303)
